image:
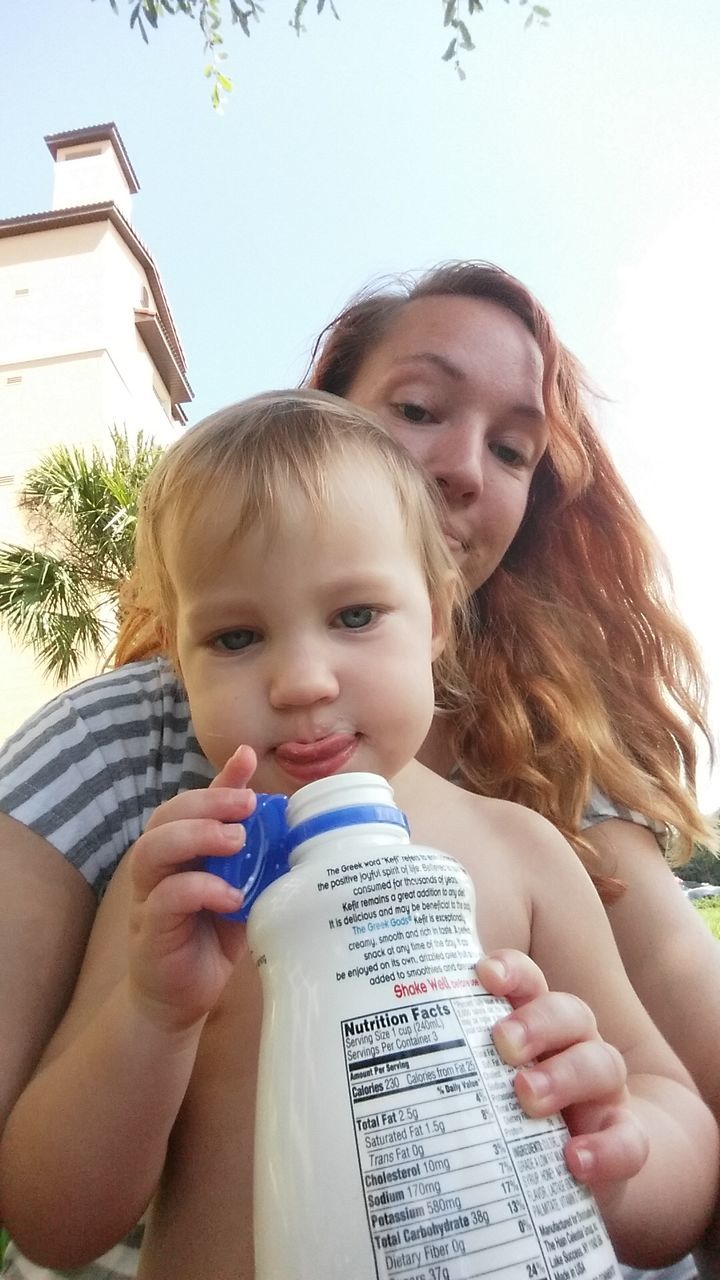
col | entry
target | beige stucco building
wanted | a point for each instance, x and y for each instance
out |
(87, 342)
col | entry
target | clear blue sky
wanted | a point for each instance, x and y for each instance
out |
(584, 157)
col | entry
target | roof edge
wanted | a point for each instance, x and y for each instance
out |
(79, 215)
(96, 133)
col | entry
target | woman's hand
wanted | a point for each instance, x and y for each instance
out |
(181, 955)
(552, 1037)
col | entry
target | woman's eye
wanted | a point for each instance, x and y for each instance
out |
(355, 619)
(234, 641)
(413, 412)
(508, 454)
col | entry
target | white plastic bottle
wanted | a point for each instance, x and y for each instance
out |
(389, 1141)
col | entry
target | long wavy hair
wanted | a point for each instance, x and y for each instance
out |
(582, 673)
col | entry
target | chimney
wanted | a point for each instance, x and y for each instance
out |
(92, 167)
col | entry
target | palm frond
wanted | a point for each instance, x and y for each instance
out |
(45, 603)
(82, 511)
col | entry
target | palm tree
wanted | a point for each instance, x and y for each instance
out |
(60, 596)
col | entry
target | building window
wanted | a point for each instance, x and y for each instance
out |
(15, 378)
(144, 299)
(21, 293)
(5, 481)
(80, 153)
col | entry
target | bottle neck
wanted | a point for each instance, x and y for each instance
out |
(384, 823)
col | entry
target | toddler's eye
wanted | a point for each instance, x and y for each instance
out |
(233, 641)
(355, 619)
(413, 412)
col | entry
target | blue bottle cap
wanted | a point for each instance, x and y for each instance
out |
(269, 843)
(263, 857)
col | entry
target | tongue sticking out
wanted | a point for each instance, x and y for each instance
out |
(310, 760)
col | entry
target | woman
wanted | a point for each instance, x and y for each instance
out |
(587, 686)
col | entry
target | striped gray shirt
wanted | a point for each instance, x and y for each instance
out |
(89, 769)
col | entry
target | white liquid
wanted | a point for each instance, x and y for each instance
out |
(389, 1141)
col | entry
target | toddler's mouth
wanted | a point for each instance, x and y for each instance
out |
(307, 761)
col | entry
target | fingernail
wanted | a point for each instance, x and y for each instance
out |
(234, 832)
(497, 967)
(585, 1159)
(538, 1083)
(513, 1034)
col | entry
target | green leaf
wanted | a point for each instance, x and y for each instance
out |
(450, 51)
(150, 13)
(465, 34)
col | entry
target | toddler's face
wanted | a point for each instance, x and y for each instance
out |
(313, 645)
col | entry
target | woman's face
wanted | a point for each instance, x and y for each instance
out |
(458, 381)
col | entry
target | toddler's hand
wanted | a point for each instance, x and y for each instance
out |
(577, 1072)
(181, 955)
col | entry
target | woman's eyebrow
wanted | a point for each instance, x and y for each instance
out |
(431, 357)
(531, 411)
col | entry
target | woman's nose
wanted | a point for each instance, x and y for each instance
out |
(301, 678)
(457, 463)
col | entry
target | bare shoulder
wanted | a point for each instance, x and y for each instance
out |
(422, 793)
(440, 811)
(511, 854)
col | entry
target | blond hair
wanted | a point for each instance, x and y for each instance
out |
(237, 469)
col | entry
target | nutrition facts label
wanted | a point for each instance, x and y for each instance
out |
(458, 1181)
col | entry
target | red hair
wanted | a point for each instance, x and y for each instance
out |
(583, 674)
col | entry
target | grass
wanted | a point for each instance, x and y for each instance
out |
(709, 909)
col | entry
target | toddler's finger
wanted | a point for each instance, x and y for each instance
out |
(612, 1154)
(168, 849)
(226, 804)
(238, 770)
(591, 1071)
(186, 894)
(552, 1021)
(511, 974)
